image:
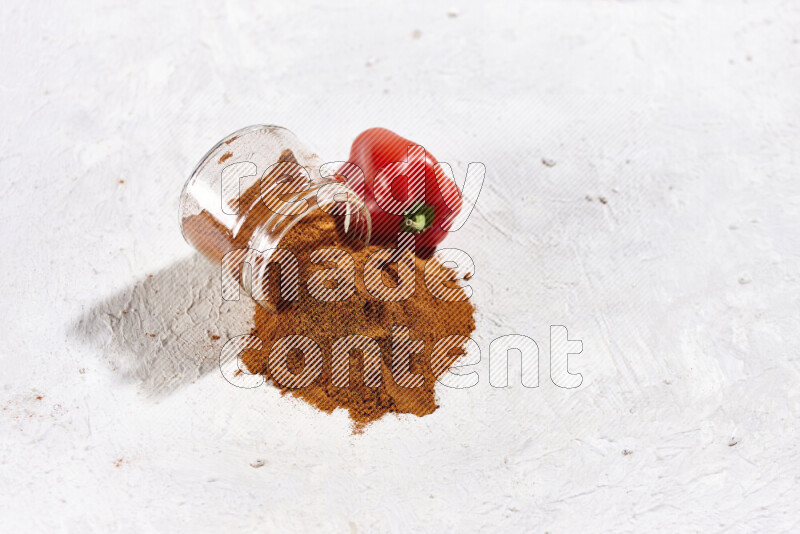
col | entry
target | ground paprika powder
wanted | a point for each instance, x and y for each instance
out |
(428, 319)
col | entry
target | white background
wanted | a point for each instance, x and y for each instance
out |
(683, 283)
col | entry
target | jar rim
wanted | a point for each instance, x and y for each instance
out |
(311, 193)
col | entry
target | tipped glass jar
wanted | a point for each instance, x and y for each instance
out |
(249, 190)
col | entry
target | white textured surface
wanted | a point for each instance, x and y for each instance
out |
(683, 282)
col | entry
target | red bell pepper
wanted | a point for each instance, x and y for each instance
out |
(404, 189)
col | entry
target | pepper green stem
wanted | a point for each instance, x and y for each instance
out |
(417, 218)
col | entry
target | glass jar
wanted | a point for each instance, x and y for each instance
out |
(250, 189)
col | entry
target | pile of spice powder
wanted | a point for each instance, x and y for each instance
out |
(429, 319)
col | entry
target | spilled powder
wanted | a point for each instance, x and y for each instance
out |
(428, 318)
